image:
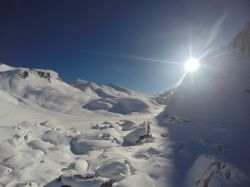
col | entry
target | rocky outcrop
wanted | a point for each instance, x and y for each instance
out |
(42, 74)
(24, 75)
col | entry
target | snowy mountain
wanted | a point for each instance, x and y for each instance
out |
(114, 98)
(56, 134)
(44, 88)
(208, 117)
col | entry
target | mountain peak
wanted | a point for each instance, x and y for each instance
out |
(4, 67)
(242, 39)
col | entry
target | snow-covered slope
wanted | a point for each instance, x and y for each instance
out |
(41, 87)
(104, 90)
(55, 134)
(217, 92)
(209, 116)
(45, 89)
(114, 98)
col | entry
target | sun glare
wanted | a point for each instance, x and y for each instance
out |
(192, 65)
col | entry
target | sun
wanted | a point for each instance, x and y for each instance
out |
(192, 65)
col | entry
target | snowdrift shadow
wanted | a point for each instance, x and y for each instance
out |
(200, 155)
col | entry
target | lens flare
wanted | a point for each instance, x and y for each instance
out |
(192, 65)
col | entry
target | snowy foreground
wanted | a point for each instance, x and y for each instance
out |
(59, 135)
(55, 134)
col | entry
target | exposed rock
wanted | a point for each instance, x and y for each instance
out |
(108, 183)
(104, 125)
(45, 75)
(24, 75)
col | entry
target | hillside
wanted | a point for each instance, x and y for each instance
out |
(45, 89)
(208, 118)
(85, 134)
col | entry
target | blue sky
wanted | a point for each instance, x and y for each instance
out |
(109, 41)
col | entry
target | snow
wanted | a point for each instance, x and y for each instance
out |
(127, 125)
(99, 135)
(4, 67)
(115, 169)
(208, 119)
(138, 134)
(114, 98)
(128, 106)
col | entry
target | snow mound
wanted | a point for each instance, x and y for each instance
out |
(137, 135)
(75, 181)
(80, 145)
(55, 137)
(135, 180)
(119, 105)
(4, 67)
(39, 145)
(129, 105)
(100, 104)
(7, 150)
(80, 166)
(115, 169)
(127, 125)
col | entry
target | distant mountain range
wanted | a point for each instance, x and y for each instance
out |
(44, 88)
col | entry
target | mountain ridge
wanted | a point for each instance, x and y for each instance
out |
(47, 89)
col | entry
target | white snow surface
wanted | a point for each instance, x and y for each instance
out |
(48, 137)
